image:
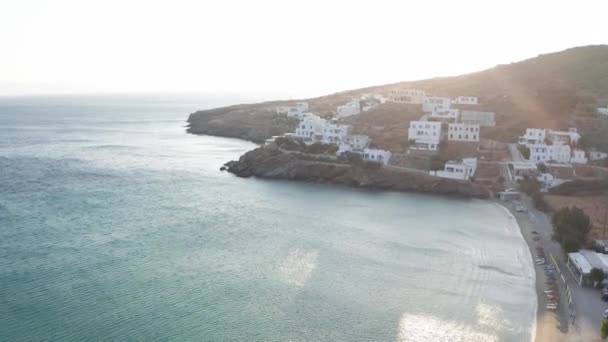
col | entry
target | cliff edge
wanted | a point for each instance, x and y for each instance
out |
(271, 162)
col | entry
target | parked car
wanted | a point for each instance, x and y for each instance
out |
(520, 209)
(605, 297)
(606, 314)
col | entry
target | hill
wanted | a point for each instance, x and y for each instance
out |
(555, 90)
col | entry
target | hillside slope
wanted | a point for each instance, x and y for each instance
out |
(555, 90)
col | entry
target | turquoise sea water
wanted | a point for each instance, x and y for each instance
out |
(116, 225)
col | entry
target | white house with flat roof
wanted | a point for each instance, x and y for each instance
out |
(578, 157)
(353, 143)
(432, 103)
(333, 133)
(520, 169)
(358, 141)
(541, 153)
(466, 100)
(462, 169)
(309, 126)
(377, 155)
(349, 109)
(533, 136)
(603, 111)
(313, 129)
(424, 135)
(291, 111)
(407, 96)
(463, 132)
(582, 262)
(597, 155)
(483, 119)
(570, 137)
(445, 115)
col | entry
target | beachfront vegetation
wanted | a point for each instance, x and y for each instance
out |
(529, 186)
(604, 329)
(596, 276)
(571, 227)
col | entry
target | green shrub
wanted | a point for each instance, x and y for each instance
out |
(571, 227)
(604, 329)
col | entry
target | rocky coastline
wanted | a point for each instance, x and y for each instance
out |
(273, 163)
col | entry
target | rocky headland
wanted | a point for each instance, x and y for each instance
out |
(273, 163)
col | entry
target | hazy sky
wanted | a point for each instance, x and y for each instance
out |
(297, 48)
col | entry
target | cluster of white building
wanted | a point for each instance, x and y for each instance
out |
(414, 96)
(312, 129)
(443, 122)
(427, 133)
(603, 111)
(363, 104)
(553, 146)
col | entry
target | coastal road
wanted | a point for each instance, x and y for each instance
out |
(587, 304)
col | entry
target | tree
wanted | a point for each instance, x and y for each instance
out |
(542, 168)
(529, 185)
(571, 227)
(604, 329)
(597, 276)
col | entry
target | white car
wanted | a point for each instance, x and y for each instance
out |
(520, 208)
(606, 314)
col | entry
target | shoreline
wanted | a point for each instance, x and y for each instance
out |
(550, 325)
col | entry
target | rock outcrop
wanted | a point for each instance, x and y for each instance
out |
(269, 162)
(253, 122)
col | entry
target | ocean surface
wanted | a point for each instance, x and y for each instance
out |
(116, 225)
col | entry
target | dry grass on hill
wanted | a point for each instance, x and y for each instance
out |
(594, 206)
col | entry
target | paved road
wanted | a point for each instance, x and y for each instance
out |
(587, 304)
(515, 154)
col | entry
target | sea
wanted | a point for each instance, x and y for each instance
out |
(117, 225)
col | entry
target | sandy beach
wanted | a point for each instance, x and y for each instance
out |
(551, 325)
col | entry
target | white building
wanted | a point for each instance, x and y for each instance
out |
(462, 170)
(309, 126)
(425, 135)
(407, 96)
(357, 141)
(533, 136)
(570, 137)
(603, 111)
(432, 103)
(353, 143)
(463, 132)
(519, 169)
(597, 155)
(484, 119)
(467, 100)
(293, 111)
(333, 133)
(578, 157)
(582, 262)
(376, 155)
(541, 153)
(349, 109)
(445, 115)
